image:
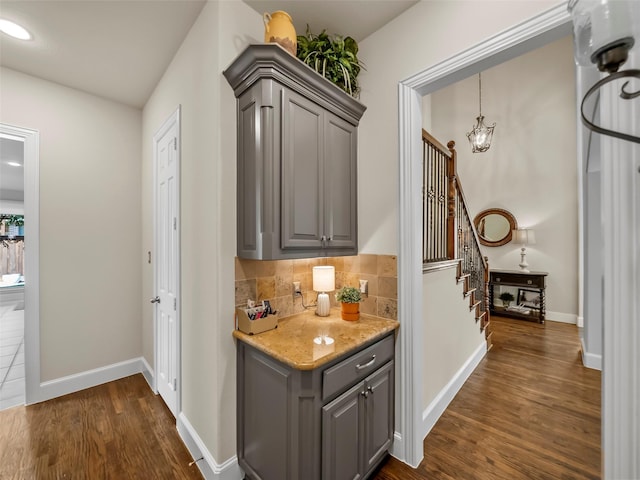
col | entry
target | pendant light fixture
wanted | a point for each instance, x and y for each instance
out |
(481, 135)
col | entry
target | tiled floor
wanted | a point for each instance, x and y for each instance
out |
(12, 382)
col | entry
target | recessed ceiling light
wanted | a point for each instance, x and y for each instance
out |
(14, 164)
(14, 30)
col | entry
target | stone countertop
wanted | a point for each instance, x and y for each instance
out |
(304, 341)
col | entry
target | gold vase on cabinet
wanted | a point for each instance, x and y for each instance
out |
(278, 28)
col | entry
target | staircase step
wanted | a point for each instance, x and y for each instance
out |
(469, 292)
(463, 277)
(489, 342)
(480, 318)
(474, 305)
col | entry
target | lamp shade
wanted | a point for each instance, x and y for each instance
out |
(524, 236)
(600, 26)
(324, 279)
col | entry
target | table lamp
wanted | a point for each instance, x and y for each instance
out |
(524, 236)
(324, 280)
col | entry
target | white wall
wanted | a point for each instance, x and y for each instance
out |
(427, 33)
(208, 230)
(89, 222)
(530, 169)
(450, 333)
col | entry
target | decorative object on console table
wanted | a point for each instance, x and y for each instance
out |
(324, 280)
(507, 298)
(524, 236)
(278, 28)
(530, 298)
(349, 297)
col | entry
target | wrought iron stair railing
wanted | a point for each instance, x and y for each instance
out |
(448, 233)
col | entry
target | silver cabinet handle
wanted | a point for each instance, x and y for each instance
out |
(155, 300)
(368, 364)
(367, 392)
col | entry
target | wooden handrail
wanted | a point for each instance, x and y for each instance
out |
(427, 137)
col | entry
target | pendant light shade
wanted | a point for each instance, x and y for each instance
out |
(481, 135)
(604, 32)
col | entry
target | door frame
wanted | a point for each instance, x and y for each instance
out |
(517, 40)
(174, 118)
(31, 139)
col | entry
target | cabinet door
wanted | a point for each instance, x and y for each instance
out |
(379, 412)
(249, 161)
(342, 431)
(302, 180)
(340, 183)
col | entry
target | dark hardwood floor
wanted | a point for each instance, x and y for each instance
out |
(119, 430)
(529, 411)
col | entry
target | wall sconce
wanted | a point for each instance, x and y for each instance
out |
(524, 236)
(604, 31)
(324, 280)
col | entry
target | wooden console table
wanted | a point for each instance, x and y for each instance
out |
(528, 289)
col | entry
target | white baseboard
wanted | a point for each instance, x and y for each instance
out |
(397, 447)
(90, 378)
(580, 322)
(590, 360)
(439, 404)
(210, 469)
(561, 317)
(148, 374)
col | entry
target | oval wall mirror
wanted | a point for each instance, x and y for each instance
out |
(494, 226)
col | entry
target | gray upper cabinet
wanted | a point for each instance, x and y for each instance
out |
(297, 158)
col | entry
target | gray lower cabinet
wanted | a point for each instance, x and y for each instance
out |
(357, 427)
(331, 423)
(297, 158)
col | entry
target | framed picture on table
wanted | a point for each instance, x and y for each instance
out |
(529, 298)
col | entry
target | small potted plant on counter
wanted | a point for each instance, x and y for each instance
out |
(507, 298)
(349, 297)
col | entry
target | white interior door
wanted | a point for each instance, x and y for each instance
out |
(166, 265)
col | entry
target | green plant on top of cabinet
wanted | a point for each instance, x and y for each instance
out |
(297, 158)
(334, 57)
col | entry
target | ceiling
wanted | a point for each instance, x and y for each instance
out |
(120, 49)
(354, 18)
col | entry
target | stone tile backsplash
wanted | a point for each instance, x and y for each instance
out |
(273, 280)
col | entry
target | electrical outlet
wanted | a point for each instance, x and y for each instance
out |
(364, 287)
(296, 289)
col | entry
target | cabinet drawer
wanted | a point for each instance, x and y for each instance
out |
(356, 367)
(516, 279)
